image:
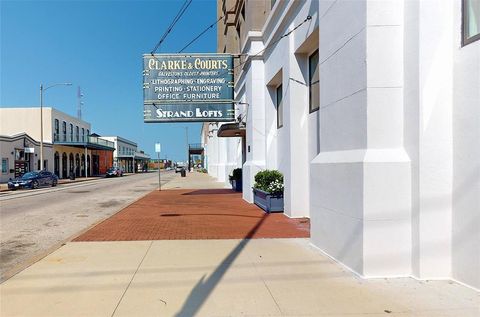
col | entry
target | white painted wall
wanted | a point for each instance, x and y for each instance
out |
(359, 216)
(19, 120)
(466, 157)
(388, 168)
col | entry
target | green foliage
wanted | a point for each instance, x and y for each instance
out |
(270, 181)
(236, 175)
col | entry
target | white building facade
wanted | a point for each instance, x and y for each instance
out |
(20, 154)
(126, 155)
(75, 150)
(371, 110)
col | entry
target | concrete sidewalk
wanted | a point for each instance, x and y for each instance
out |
(233, 277)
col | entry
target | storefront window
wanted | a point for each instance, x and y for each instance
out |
(471, 21)
(19, 155)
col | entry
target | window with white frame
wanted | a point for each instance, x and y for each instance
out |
(4, 165)
(279, 106)
(470, 21)
(313, 82)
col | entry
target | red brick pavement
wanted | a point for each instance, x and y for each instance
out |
(195, 214)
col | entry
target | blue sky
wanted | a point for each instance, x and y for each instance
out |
(98, 45)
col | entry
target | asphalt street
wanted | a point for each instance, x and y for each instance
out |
(34, 222)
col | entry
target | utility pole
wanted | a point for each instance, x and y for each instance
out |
(42, 89)
(79, 103)
(158, 150)
(188, 150)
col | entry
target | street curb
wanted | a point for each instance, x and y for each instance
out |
(41, 255)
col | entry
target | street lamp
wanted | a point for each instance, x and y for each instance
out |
(42, 89)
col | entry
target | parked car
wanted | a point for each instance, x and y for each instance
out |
(33, 180)
(114, 172)
(179, 168)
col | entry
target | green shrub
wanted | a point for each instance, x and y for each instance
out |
(270, 181)
(236, 175)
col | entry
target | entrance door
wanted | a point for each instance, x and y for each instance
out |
(20, 168)
(77, 165)
(56, 164)
(95, 164)
(64, 165)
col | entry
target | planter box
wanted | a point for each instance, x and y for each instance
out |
(268, 202)
(237, 185)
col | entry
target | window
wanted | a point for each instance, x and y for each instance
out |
(4, 165)
(272, 3)
(313, 82)
(57, 130)
(279, 105)
(77, 131)
(71, 132)
(83, 134)
(471, 21)
(64, 131)
(88, 132)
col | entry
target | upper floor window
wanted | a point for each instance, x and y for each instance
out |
(57, 129)
(313, 82)
(77, 131)
(88, 132)
(71, 132)
(279, 106)
(64, 131)
(83, 134)
(471, 21)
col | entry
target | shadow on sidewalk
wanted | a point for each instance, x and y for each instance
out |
(210, 192)
(204, 288)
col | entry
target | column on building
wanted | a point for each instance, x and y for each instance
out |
(360, 181)
(429, 68)
(254, 82)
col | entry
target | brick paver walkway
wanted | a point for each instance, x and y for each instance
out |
(195, 214)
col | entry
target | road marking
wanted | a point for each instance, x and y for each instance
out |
(61, 187)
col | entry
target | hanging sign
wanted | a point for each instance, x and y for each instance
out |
(197, 87)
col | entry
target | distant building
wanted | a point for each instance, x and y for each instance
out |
(19, 154)
(126, 154)
(75, 149)
(371, 110)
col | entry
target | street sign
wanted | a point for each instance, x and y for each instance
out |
(197, 87)
(157, 147)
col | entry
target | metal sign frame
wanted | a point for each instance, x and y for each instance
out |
(188, 88)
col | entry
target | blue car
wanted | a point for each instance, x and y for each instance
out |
(33, 180)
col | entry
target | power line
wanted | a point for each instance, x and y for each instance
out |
(182, 10)
(206, 30)
(272, 43)
(199, 35)
(249, 57)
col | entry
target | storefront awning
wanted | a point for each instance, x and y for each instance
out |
(231, 130)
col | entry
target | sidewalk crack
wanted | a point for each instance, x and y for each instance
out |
(131, 280)
(268, 289)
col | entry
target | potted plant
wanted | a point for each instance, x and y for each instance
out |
(236, 179)
(268, 190)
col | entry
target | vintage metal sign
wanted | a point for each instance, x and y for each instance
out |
(196, 87)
